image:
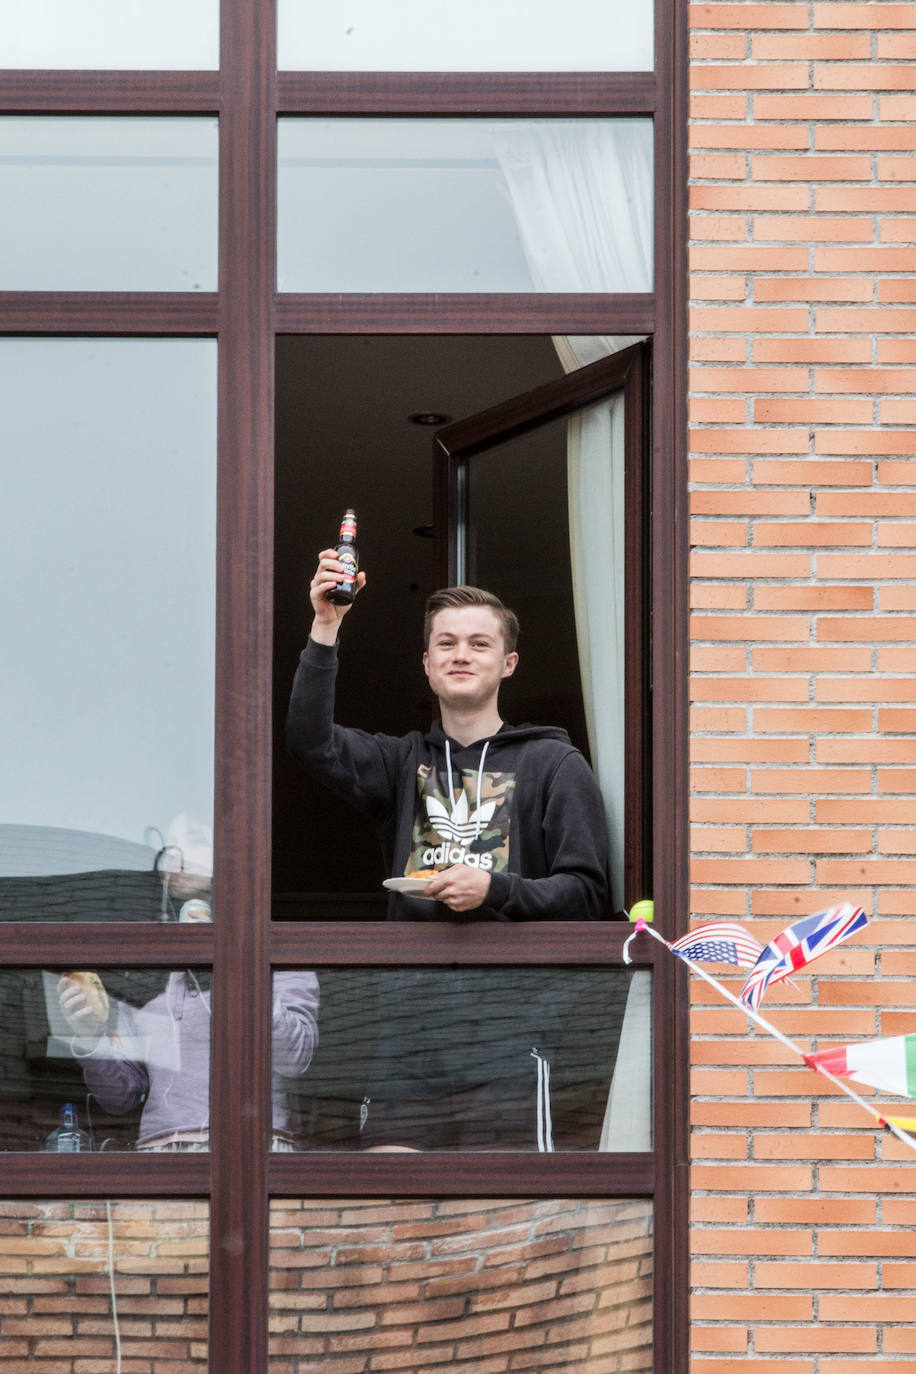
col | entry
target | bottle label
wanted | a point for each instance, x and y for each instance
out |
(348, 559)
(347, 528)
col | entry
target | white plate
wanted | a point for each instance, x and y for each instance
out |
(414, 886)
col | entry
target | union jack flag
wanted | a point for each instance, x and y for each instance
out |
(719, 942)
(797, 945)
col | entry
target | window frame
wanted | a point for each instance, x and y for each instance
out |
(244, 946)
(628, 372)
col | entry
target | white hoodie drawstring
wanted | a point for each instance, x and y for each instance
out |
(451, 785)
(483, 755)
(448, 769)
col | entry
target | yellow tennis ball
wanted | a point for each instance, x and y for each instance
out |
(643, 911)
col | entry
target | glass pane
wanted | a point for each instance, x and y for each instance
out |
(564, 483)
(113, 204)
(104, 1285)
(107, 547)
(104, 1059)
(465, 205)
(521, 1285)
(471, 1059)
(440, 35)
(528, 477)
(177, 34)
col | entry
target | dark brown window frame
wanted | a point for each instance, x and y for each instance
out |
(244, 315)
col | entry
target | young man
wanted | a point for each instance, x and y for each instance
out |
(503, 823)
(508, 818)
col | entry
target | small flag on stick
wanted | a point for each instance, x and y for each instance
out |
(888, 1065)
(719, 942)
(796, 946)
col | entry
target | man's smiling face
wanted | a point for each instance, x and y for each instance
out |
(466, 660)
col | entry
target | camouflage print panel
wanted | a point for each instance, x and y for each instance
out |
(452, 830)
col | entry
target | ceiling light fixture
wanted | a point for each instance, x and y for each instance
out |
(428, 417)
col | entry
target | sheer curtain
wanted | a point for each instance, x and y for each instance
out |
(582, 193)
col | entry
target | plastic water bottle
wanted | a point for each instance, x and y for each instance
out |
(68, 1138)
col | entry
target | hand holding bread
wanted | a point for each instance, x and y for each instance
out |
(84, 1002)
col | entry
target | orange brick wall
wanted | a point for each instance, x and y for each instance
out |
(483, 1287)
(803, 586)
(58, 1261)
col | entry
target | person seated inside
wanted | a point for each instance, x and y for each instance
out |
(158, 1055)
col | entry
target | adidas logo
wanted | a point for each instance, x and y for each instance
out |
(443, 855)
(459, 825)
(457, 828)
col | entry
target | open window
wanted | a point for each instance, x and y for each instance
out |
(576, 565)
(539, 492)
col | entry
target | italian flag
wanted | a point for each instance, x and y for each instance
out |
(888, 1065)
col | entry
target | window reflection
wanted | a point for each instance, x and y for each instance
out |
(121, 1047)
(108, 627)
(119, 1059)
(111, 34)
(154, 1057)
(470, 1059)
(482, 204)
(479, 1284)
(438, 35)
(108, 204)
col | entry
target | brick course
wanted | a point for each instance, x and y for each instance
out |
(479, 1286)
(803, 197)
(56, 1314)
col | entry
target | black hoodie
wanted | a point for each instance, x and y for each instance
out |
(523, 805)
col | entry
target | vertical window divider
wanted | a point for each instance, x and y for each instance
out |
(670, 729)
(240, 1102)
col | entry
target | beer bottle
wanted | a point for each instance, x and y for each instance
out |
(348, 555)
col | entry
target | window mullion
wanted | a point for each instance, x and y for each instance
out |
(240, 1103)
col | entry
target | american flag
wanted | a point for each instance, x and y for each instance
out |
(719, 942)
(797, 945)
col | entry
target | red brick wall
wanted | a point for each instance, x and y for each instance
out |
(480, 1286)
(55, 1299)
(803, 218)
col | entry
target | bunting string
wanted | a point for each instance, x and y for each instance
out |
(767, 1026)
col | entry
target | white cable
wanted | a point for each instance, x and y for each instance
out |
(111, 1275)
(111, 1286)
(196, 982)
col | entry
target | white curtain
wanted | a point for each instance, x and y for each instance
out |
(581, 191)
(582, 194)
(597, 528)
